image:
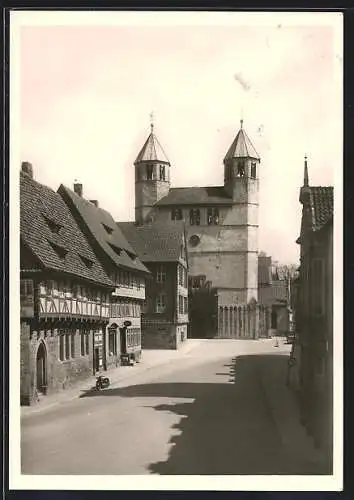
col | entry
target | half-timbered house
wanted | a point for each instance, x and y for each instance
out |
(64, 294)
(123, 266)
(163, 248)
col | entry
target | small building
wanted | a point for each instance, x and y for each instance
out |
(314, 311)
(273, 296)
(125, 269)
(163, 249)
(64, 295)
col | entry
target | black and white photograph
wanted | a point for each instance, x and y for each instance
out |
(176, 250)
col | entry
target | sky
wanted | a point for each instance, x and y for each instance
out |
(86, 92)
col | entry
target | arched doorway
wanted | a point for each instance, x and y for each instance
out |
(41, 365)
(274, 319)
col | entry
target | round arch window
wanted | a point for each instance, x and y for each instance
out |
(194, 240)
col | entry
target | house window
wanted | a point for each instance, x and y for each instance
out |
(162, 173)
(180, 274)
(185, 299)
(87, 341)
(67, 346)
(160, 303)
(82, 343)
(241, 169)
(318, 286)
(213, 216)
(112, 342)
(185, 278)
(161, 274)
(253, 170)
(149, 172)
(180, 304)
(176, 214)
(194, 217)
(61, 346)
(72, 336)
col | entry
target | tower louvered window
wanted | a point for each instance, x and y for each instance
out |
(149, 172)
(162, 173)
(176, 214)
(241, 169)
(253, 170)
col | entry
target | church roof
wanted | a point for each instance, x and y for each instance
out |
(208, 195)
(101, 226)
(53, 236)
(242, 147)
(152, 150)
(155, 242)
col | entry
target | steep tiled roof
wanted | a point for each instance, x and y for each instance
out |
(322, 205)
(101, 226)
(152, 151)
(242, 147)
(50, 232)
(155, 242)
(209, 195)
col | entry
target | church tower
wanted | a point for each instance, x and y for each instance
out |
(241, 182)
(152, 178)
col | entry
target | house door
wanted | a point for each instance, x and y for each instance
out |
(123, 340)
(41, 381)
(274, 320)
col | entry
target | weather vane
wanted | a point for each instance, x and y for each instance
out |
(152, 120)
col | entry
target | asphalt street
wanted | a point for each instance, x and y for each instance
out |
(205, 413)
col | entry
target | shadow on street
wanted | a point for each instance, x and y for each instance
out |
(228, 428)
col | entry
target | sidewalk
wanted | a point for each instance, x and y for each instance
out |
(150, 359)
(284, 407)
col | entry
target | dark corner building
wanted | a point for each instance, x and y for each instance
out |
(163, 249)
(64, 293)
(314, 311)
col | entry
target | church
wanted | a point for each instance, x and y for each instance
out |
(222, 232)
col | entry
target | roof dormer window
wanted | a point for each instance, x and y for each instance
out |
(53, 226)
(88, 263)
(59, 250)
(117, 250)
(108, 229)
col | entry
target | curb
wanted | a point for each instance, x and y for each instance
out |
(28, 411)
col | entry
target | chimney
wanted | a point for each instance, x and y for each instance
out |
(27, 169)
(94, 202)
(78, 188)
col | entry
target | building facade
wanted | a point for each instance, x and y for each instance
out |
(64, 295)
(314, 311)
(163, 249)
(124, 268)
(221, 226)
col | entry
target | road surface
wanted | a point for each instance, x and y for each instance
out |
(206, 413)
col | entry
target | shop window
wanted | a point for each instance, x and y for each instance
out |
(161, 303)
(194, 217)
(161, 274)
(112, 342)
(176, 214)
(213, 216)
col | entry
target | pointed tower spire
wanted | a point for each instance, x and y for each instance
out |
(306, 173)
